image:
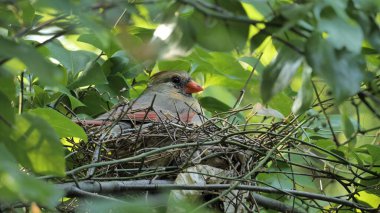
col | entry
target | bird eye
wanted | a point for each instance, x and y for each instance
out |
(176, 79)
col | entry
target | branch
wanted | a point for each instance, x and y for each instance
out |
(21, 97)
(325, 114)
(242, 91)
(274, 204)
(226, 16)
(71, 189)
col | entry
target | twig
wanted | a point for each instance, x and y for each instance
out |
(82, 193)
(59, 34)
(362, 96)
(325, 114)
(275, 204)
(242, 91)
(120, 17)
(39, 26)
(21, 97)
(225, 16)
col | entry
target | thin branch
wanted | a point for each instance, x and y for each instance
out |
(225, 16)
(82, 193)
(325, 114)
(123, 186)
(120, 17)
(242, 91)
(39, 26)
(273, 204)
(362, 96)
(21, 97)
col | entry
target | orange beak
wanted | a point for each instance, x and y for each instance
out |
(193, 87)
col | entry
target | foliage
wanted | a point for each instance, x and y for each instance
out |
(312, 60)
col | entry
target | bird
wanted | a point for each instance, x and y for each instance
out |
(168, 96)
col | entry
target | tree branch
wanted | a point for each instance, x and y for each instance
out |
(71, 190)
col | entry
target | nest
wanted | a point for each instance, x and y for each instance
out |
(164, 149)
(219, 161)
(218, 151)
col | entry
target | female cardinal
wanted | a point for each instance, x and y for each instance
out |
(167, 97)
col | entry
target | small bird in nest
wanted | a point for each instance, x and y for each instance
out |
(168, 97)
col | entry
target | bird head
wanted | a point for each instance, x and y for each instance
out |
(178, 81)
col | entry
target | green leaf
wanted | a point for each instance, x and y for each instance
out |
(133, 70)
(229, 66)
(61, 124)
(27, 13)
(47, 73)
(325, 144)
(92, 75)
(6, 112)
(252, 61)
(7, 82)
(6, 116)
(257, 40)
(348, 126)
(93, 40)
(94, 104)
(119, 62)
(97, 28)
(265, 8)
(73, 100)
(41, 96)
(279, 73)
(281, 102)
(220, 35)
(73, 61)
(18, 186)
(374, 34)
(213, 105)
(115, 89)
(36, 145)
(374, 151)
(174, 65)
(305, 95)
(221, 93)
(371, 185)
(7, 16)
(368, 6)
(340, 70)
(342, 32)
